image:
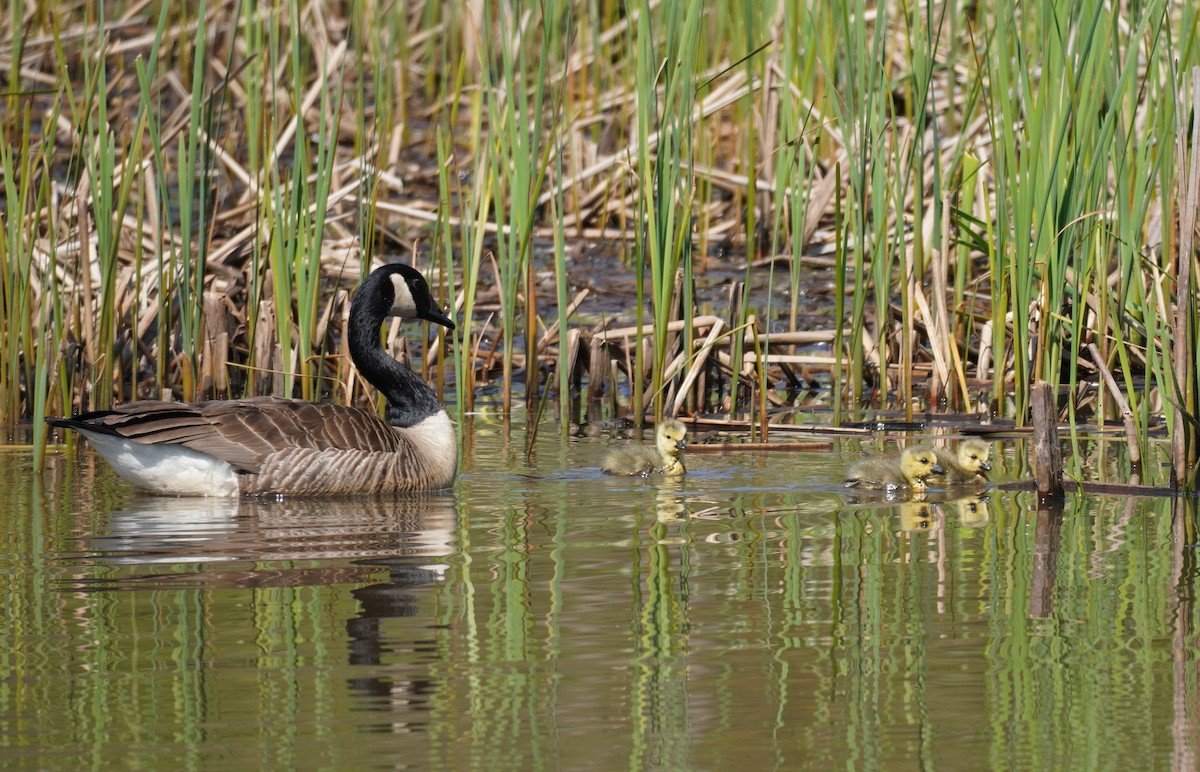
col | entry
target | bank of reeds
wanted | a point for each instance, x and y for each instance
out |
(917, 208)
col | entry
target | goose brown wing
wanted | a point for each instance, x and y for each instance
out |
(244, 432)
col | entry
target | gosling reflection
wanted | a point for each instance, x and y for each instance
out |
(919, 515)
(972, 511)
(929, 513)
(668, 503)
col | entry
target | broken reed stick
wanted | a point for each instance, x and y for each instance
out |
(698, 363)
(610, 336)
(1047, 452)
(1131, 438)
(732, 447)
(1183, 443)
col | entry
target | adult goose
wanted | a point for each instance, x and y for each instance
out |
(271, 445)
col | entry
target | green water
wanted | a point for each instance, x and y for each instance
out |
(544, 616)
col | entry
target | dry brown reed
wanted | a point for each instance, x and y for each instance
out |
(275, 123)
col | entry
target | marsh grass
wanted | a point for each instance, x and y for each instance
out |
(973, 198)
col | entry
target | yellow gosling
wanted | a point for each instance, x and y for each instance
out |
(967, 466)
(910, 470)
(666, 457)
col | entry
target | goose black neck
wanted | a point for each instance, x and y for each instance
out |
(410, 400)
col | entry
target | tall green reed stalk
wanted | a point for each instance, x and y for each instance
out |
(561, 282)
(258, 33)
(793, 179)
(196, 175)
(1052, 170)
(666, 98)
(516, 97)
(99, 152)
(16, 282)
(296, 206)
(857, 57)
(1186, 328)
(476, 202)
(46, 340)
(31, 328)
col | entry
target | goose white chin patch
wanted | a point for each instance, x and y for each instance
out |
(172, 470)
(403, 305)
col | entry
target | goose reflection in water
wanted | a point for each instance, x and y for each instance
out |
(387, 546)
(156, 530)
(370, 643)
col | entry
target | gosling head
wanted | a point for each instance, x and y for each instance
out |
(671, 438)
(918, 463)
(973, 457)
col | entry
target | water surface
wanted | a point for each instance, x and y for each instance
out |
(543, 615)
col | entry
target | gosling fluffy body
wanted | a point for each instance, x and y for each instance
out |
(666, 457)
(968, 465)
(887, 472)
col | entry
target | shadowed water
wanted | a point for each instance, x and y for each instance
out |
(544, 615)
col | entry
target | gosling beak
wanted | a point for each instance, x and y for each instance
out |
(433, 314)
(680, 445)
(985, 466)
(937, 469)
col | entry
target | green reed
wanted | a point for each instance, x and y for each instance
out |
(855, 54)
(16, 291)
(514, 76)
(958, 184)
(99, 154)
(666, 192)
(471, 236)
(1185, 332)
(258, 34)
(563, 367)
(1069, 242)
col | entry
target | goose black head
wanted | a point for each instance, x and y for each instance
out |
(402, 291)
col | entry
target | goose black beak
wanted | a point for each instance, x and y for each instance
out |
(937, 469)
(680, 445)
(985, 466)
(437, 317)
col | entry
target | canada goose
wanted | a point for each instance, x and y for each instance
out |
(968, 465)
(274, 445)
(664, 458)
(888, 473)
